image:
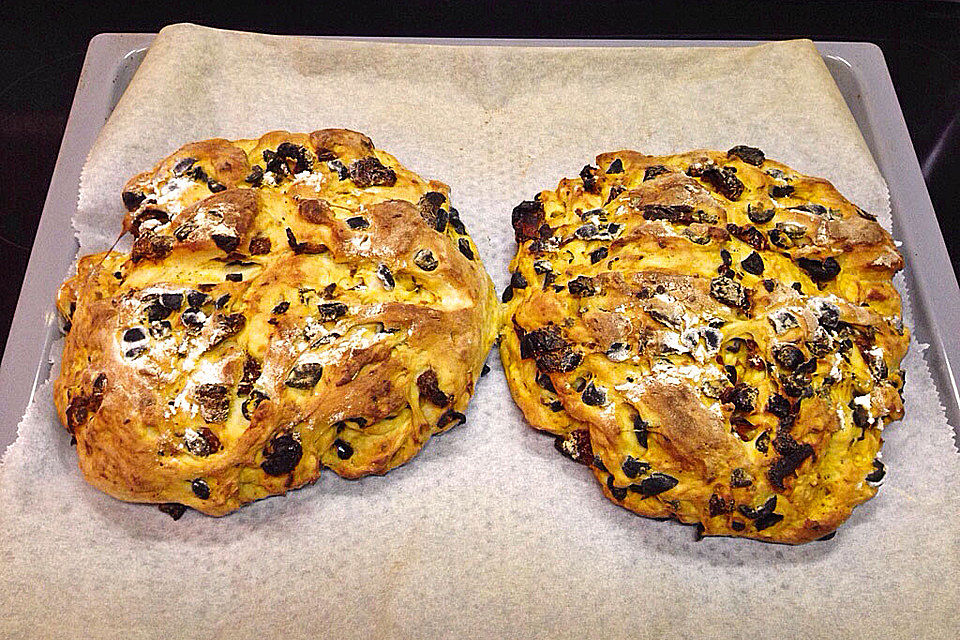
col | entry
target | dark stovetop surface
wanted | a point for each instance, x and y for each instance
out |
(42, 49)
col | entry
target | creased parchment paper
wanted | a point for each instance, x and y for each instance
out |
(488, 532)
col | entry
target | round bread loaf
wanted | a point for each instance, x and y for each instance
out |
(714, 334)
(288, 303)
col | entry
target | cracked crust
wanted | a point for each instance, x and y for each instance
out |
(728, 338)
(281, 300)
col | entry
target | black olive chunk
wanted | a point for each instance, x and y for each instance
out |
(654, 171)
(781, 191)
(593, 395)
(656, 483)
(632, 467)
(200, 488)
(750, 155)
(281, 455)
(173, 509)
(133, 335)
(616, 166)
(425, 260)
(464, 245)
(598, 254)
(820, 270)
(789, 357)
(329, 311)
(753, 263)
(641, 431)
(343, 448)
(729, 292)
(305, 376)
(878, 472)
(619, 493)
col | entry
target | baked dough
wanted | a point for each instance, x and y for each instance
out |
(289, 303)
(714, 334)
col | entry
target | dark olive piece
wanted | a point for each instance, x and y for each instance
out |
(173, 509)
(750, 155)
(615, 167)
(753, 263)
(464, 245)
(281, 455)
(657, 483)
(200, 488)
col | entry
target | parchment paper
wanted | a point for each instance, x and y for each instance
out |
(488, 532)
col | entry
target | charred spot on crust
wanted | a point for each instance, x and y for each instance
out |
(305, 375)
(792, 455)
(576, 446)
(214, 402)
(149, 246)
(527, 217)
(201, 442)
(172, 509)
(429, 388)
(750, 155)
(281, 455)
(370, 172)
(589, 176)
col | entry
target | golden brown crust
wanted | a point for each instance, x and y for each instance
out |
(282, 302)
(716, 335)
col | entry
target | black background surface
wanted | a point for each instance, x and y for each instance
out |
(42, 48)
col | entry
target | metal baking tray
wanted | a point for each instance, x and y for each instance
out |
(858, 68)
